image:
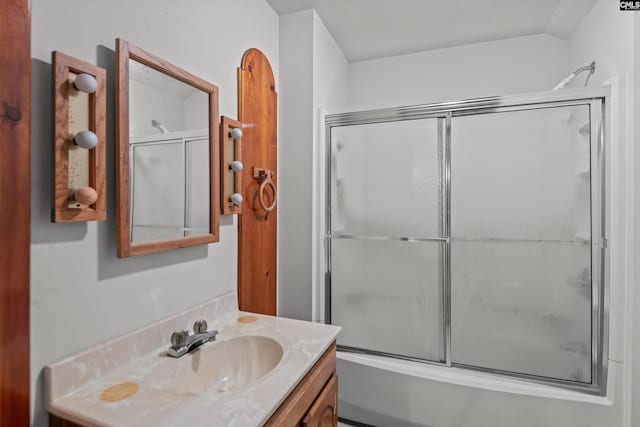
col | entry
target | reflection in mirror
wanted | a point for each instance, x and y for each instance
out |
(159, 103)
(167, 155)
(169, 152)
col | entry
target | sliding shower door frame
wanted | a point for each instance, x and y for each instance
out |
(443, 135)
(597, 100)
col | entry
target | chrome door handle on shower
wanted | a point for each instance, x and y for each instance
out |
(264, 176)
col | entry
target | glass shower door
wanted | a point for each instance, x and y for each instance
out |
(472, 234)
(157, 171)
(386, 238)
(521, 242)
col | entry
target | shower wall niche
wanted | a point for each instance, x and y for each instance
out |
(470, 234)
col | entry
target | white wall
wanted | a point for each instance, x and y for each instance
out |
(331, 74)
(294, 164)
(330, 70)
(605, 36)
(81, 294)
(517, 65)
(313, 74)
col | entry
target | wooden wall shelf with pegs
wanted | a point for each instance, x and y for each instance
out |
(79, 155)
(231, 166)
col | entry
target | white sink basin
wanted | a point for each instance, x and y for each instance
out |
(221, 365)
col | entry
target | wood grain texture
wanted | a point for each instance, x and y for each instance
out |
(167, 245)
(123, 211)
(324, 411)
(214, 164)
(226, 124)
(62, 66)
(295, 407)
(15, 210)
(124, 52)
(170, 70)
(257, 230)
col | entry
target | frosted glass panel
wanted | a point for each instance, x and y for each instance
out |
(521, 258)
(157, 207)
(521, 174)
(386, 179)
(387, 296)
(198, 187)
(523, 307)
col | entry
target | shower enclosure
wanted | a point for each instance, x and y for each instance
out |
(472, 234)
(169, 185)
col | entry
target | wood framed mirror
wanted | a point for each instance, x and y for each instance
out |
(167, 155)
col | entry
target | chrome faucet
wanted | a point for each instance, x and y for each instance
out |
(183, 342)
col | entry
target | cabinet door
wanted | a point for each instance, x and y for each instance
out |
(324, 411)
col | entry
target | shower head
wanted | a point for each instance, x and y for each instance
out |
(592, 69)
(156, 124)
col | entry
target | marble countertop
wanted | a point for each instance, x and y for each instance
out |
(75, 384)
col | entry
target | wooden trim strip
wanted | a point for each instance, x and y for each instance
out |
(165, 245)
(169, 69)
(214, 164)
(123, 217)
(226, 124)
(15, 210)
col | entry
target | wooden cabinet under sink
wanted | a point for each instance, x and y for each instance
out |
(312, 403)
(324, 411)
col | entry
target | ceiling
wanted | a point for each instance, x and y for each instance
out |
(368, 29)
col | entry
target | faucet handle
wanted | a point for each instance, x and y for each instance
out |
(179, 339)
(200, 326)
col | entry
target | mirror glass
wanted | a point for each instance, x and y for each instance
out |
(168, 156)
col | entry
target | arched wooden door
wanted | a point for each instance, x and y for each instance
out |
(257, 227)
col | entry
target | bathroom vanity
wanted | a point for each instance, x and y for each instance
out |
(259, 370)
